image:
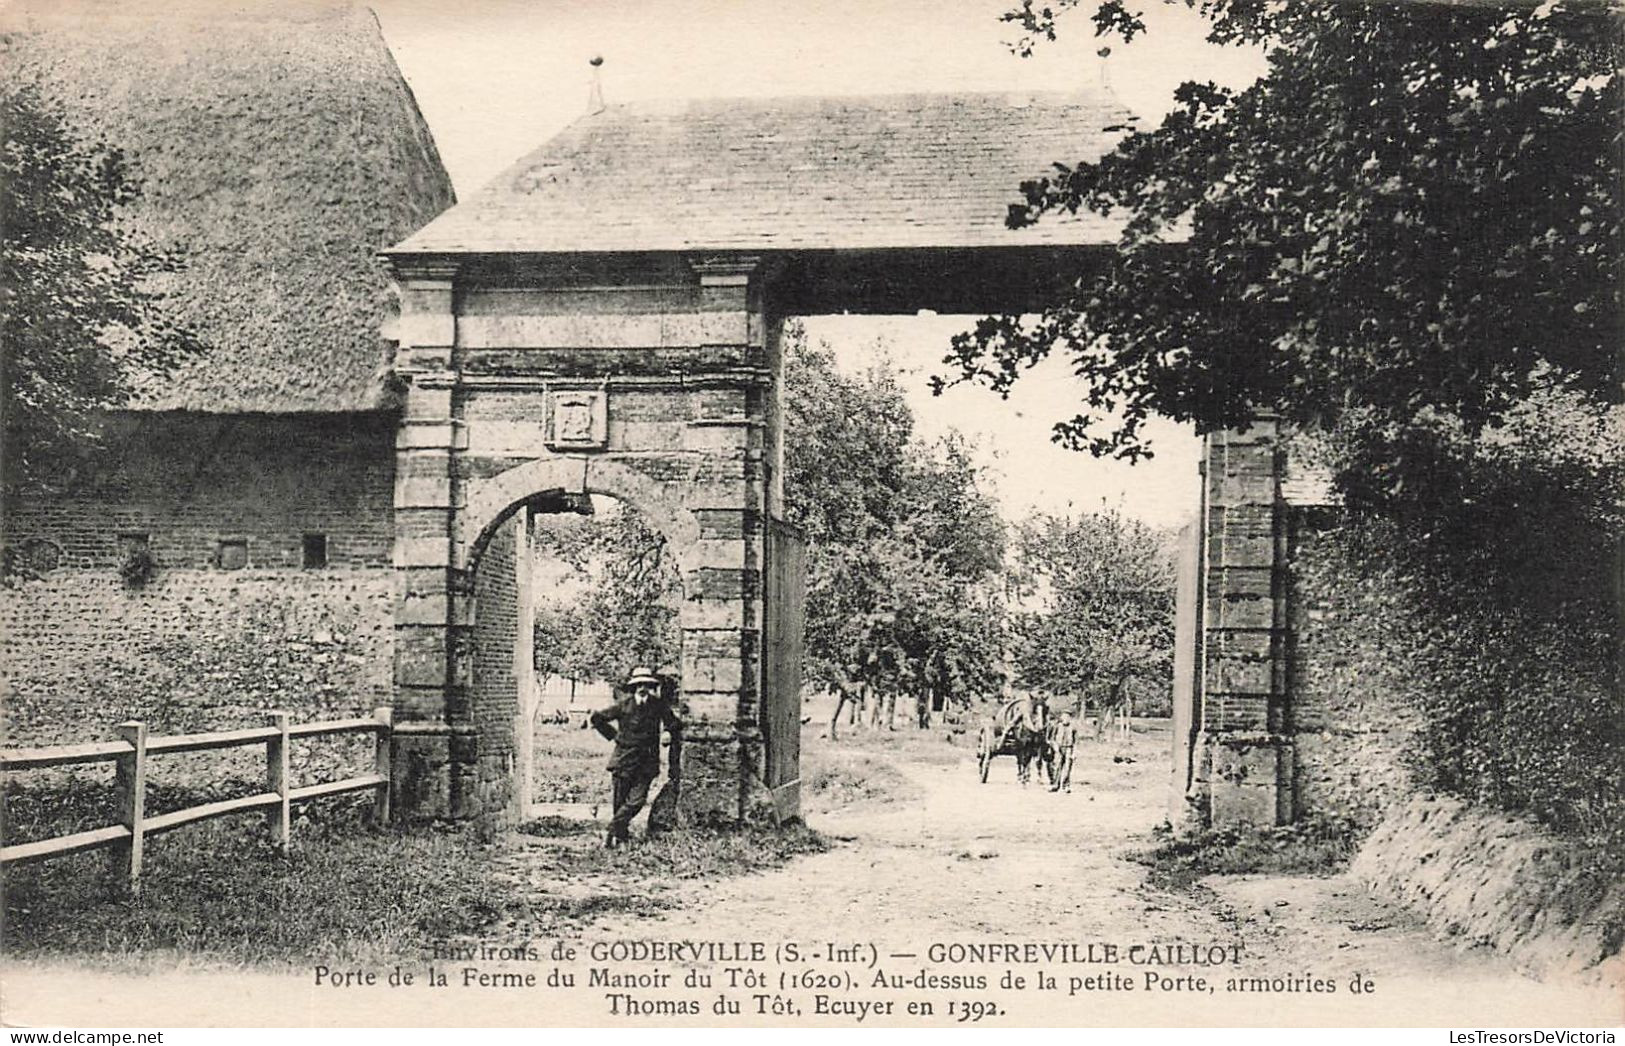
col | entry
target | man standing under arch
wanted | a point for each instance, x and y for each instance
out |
(634, 723)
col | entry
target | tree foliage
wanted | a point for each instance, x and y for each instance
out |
(904, 547)
(615, 606)
(1095, 599)
(82, 325)
(1415, 212)
(1405, 240)
(1508, 677)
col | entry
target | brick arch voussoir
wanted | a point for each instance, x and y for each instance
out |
(500, 496)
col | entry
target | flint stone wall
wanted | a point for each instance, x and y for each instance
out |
(1351, 731)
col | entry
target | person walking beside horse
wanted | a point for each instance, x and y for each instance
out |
(1063, 742)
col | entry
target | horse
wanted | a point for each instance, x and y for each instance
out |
(1032, 747)
(1027, 729)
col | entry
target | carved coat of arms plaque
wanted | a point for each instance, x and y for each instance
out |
(577, 420)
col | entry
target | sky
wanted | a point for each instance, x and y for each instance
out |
(496, 78)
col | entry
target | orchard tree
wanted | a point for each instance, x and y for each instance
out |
(845, 449)
(622, 596)
(1095, 599)
(956, 538)
(903, 544)
(556, 630)
(945, 515)
(82, 326)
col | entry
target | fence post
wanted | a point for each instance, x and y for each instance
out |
(130, 782)
(382, 762)
(278, 817)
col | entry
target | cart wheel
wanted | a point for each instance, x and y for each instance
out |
(984, 754)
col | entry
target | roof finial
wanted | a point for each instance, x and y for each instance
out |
(595, 87)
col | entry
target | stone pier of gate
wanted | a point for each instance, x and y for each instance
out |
(526, 388)
(1240, 759)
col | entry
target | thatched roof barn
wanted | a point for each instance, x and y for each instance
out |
(278, 149)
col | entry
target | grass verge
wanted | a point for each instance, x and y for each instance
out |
(218, 892)
(833, 779)
(860, 767)
(937, 746)
(694, 853)
(1313, 847)
(569, 765)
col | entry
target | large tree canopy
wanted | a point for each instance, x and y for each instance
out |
(1095, 605)
(904, 547)
(81, 324)
(1414, 214)
(1405, 240)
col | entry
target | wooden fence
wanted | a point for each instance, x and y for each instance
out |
(130, 753)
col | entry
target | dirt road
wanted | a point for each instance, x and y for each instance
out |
(999, 862)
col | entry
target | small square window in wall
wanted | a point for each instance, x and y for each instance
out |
(231, 554)
(315, 546)
(131, 542)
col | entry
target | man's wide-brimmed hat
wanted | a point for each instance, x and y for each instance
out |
(641, 675)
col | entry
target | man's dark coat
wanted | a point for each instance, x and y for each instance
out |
(635, 729)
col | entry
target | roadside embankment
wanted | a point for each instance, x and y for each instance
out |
(1482, 877)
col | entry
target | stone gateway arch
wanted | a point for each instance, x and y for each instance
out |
(605, 318)
(528, 388)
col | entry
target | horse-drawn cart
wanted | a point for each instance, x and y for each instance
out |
(1015, 728)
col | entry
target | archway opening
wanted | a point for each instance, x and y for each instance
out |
(572, 594)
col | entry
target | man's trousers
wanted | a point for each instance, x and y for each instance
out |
(631, 792)
(1062, 774)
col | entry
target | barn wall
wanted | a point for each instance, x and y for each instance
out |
(200, 645)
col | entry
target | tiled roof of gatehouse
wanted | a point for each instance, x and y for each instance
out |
(845, 173)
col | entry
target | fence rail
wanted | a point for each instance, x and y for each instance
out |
(129, 755)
